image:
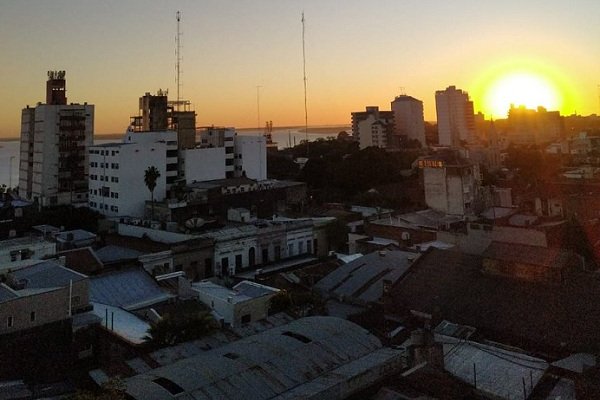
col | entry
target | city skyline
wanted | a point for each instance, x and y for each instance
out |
(357, 55)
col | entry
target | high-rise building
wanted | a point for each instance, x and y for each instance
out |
(526, 126)
(55, 137)
(455, 117)
(408, 118)
(373, 127)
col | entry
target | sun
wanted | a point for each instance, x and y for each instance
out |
(520, 89)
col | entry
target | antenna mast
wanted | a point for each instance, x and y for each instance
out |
(178, 60)
(304, 72)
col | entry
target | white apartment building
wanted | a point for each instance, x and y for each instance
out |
(55, 137)
(408, 118)
(215, 137)
(372, 127)
(250, 157)
(455, 117)
(116, 181)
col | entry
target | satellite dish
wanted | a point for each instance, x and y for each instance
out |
(196, 222)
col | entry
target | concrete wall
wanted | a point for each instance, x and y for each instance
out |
(48, 307)
(477, 240)
(251, 156)
(204, 164)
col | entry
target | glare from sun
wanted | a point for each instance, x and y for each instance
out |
(521, 89)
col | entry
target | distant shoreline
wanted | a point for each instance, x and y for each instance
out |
(334, 129)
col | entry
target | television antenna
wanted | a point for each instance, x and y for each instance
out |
(304, 74)
(178, 60)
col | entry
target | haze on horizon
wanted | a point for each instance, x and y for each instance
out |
(358, 54)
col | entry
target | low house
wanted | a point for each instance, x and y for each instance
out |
(246, 302)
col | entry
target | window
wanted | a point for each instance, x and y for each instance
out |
(32, 316)
(308, 246)
(238, 261)
(9, 322)
(246, 319)
(300, 247)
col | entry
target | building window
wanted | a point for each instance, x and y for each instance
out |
(238, 261)
(300, 247)
(32, 316)
(290, 249)
(246, 319)
(308, 246)
(9, 322)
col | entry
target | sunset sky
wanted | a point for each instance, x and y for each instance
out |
(358, 53)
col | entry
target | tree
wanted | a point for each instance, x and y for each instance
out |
(179, 327)
(150, 176)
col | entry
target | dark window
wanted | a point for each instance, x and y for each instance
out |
(251, 257)
(246, 319)
(229, 161)
(238, 261)
(171, 179)
(265, 255)
(171, 167)
(171, 153)
(208, 270)
(9, 322)
(32, 316)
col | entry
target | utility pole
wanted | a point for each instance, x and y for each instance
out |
(258, 108)
(304, 72)
(178, 60)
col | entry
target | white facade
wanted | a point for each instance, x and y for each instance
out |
(251, 157)
(455, 117)
(408, 118)
(53, 153)
(451, 189)
(116, 182)
(205, 164)
(221, 137)
(245, 303)
(371, 132)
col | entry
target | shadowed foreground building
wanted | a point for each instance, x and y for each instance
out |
(311, 358)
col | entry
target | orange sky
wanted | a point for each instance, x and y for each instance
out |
(358, 54)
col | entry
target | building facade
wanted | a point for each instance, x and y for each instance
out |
(373, 127)
(55, 137)
(455, 117)
(451, 183)
(408, 118)
(116, 181)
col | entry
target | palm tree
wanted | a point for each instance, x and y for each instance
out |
(150, 176)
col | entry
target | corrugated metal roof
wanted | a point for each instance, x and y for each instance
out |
(263, 365)
(47, 274)
(363, 278)
(129, 289)
(111, 253)
(519, 253)
(499, 372)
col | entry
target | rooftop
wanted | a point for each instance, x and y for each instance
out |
(240, 293)
(534, 255)
(46, 274)
(362, 279)
(520, 313)
(268, 364)
(129, 289)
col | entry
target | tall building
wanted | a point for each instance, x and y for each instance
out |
(157, 113)
(455, 117)
(55, 137)
(408, 118)
(451, 183)
(373, 127)
(526, 126)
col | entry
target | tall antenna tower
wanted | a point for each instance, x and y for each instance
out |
(258, 108)
(304, 72)
(178, 60)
